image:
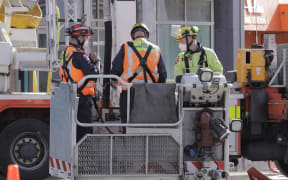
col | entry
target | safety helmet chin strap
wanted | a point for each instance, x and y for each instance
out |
(186, 62)
(187, 69)
(188, 44)
(78, 41)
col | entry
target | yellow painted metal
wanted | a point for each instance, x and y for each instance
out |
(35, 82)
(23, 20)
(2, 17)
(255, 64)
(49, 82)
(234, 112)
(58, 26)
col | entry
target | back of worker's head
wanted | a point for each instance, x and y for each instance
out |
(79, 32)
(139, 30)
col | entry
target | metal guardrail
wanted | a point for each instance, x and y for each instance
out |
(128, 86)
(129, 154)
(278, 71)
(118, 155)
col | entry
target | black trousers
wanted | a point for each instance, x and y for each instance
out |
(123, 106)
(84, 116)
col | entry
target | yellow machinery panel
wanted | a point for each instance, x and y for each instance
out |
(22, 20)
(251, 66)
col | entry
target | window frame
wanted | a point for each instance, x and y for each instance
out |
(96, 27)
(186, 22)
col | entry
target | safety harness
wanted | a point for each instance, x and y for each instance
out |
(66, 71)
(65, 67)
(202, 61)
(142, 64)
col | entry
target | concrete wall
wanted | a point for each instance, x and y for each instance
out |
(124, 19)
(148, 18)
(229, 31)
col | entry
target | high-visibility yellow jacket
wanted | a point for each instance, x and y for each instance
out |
(193, 60)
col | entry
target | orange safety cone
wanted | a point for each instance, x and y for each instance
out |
(13, 172)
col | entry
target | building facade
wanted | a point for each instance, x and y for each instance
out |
(220, 23)
(265, 17)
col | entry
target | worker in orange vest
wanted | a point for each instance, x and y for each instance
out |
(75, 65)
(138, 61)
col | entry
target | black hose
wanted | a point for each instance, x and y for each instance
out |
(107, 63)
(100, 114)
(100, 117)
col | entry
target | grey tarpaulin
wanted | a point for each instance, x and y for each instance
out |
(153, 103)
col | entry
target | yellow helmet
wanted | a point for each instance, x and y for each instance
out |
(141, 26)
(186, 31)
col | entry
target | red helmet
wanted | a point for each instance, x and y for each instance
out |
(79, 30)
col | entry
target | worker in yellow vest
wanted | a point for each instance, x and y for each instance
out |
(193, 55)
(75, 65)
(138, 61)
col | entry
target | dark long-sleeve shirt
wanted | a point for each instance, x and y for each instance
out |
(117, 66)
(82, 61)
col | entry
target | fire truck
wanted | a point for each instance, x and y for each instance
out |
(189, 140)
(173, 131)
(24, 117)
(27, 117)
(262, 92)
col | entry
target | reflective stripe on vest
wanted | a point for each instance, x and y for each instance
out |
(68, 53)
(131, 62)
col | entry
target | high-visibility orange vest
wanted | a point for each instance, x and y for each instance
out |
(66, 54)
(131, 62)
(74, 74)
